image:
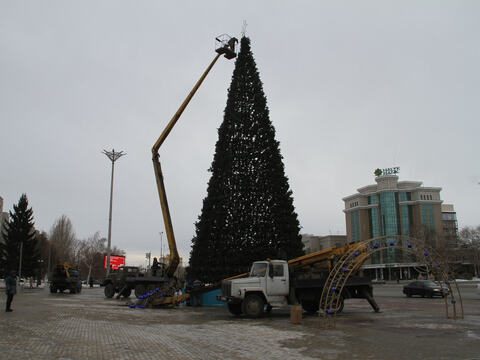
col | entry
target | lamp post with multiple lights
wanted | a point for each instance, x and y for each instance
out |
(113, 156)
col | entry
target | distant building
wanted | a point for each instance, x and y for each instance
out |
(316, 243)
(460, 257)
(392, 207)
(3, 219)
(450, 226)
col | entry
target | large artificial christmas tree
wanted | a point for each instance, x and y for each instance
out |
(20, 237)
(248, 213)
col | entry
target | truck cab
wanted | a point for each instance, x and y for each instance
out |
(268, 284)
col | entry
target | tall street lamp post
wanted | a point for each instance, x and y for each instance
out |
(113, 156)
(20, 263)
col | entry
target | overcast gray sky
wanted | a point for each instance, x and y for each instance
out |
(351, 86)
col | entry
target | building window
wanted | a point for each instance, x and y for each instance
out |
(449, 216)
(390, 221)
(405, 196)
(374, 226)
(388, 213)
(373, 217)
(427, 216)
(355, 226)
(426, 197)
(405, 219)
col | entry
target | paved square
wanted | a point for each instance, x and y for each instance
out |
(88, 326)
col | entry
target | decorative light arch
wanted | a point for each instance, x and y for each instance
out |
(354, 258)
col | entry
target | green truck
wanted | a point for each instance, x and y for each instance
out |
(65, 277)
(127, 278)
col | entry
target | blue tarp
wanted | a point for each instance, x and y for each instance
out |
(207, 299)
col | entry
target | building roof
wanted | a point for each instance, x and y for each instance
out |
(389, 183)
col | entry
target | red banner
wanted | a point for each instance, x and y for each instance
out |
(115, 261)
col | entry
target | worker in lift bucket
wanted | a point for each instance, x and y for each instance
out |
(231, 43)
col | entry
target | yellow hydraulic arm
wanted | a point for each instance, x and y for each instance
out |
(326, 255)
(227, 48)
(323, 257)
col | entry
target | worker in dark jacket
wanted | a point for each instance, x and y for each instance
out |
(11, 287)
(154, 266)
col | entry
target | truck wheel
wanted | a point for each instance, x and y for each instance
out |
(310, 307)
(253, 306)
(235, 309)
(109, 291)
(73, 291)
(79, 290)
(53, 290)
(140, 290)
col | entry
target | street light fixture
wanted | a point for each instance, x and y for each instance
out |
(113, 156)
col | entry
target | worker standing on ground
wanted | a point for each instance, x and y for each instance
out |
(154, 266)
(11, 287)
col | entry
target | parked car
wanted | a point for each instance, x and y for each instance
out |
(424, 288)
(95, 283)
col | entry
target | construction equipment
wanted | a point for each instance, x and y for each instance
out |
(65, 277)
(122, 281)
(278, 283)
(164, 294)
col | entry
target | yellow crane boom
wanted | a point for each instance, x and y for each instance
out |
(325, 256)
(226, 48)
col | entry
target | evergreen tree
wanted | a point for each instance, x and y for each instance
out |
(248, 213)
(19, 230)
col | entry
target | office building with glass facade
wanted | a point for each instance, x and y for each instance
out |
(450, 226)
(314, 243)
(392, 207)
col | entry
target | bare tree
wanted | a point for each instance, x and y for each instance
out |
(470, 238)
(43, 246)
(117, 251)
(89, 251)
(91, 256)
(62, 240)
